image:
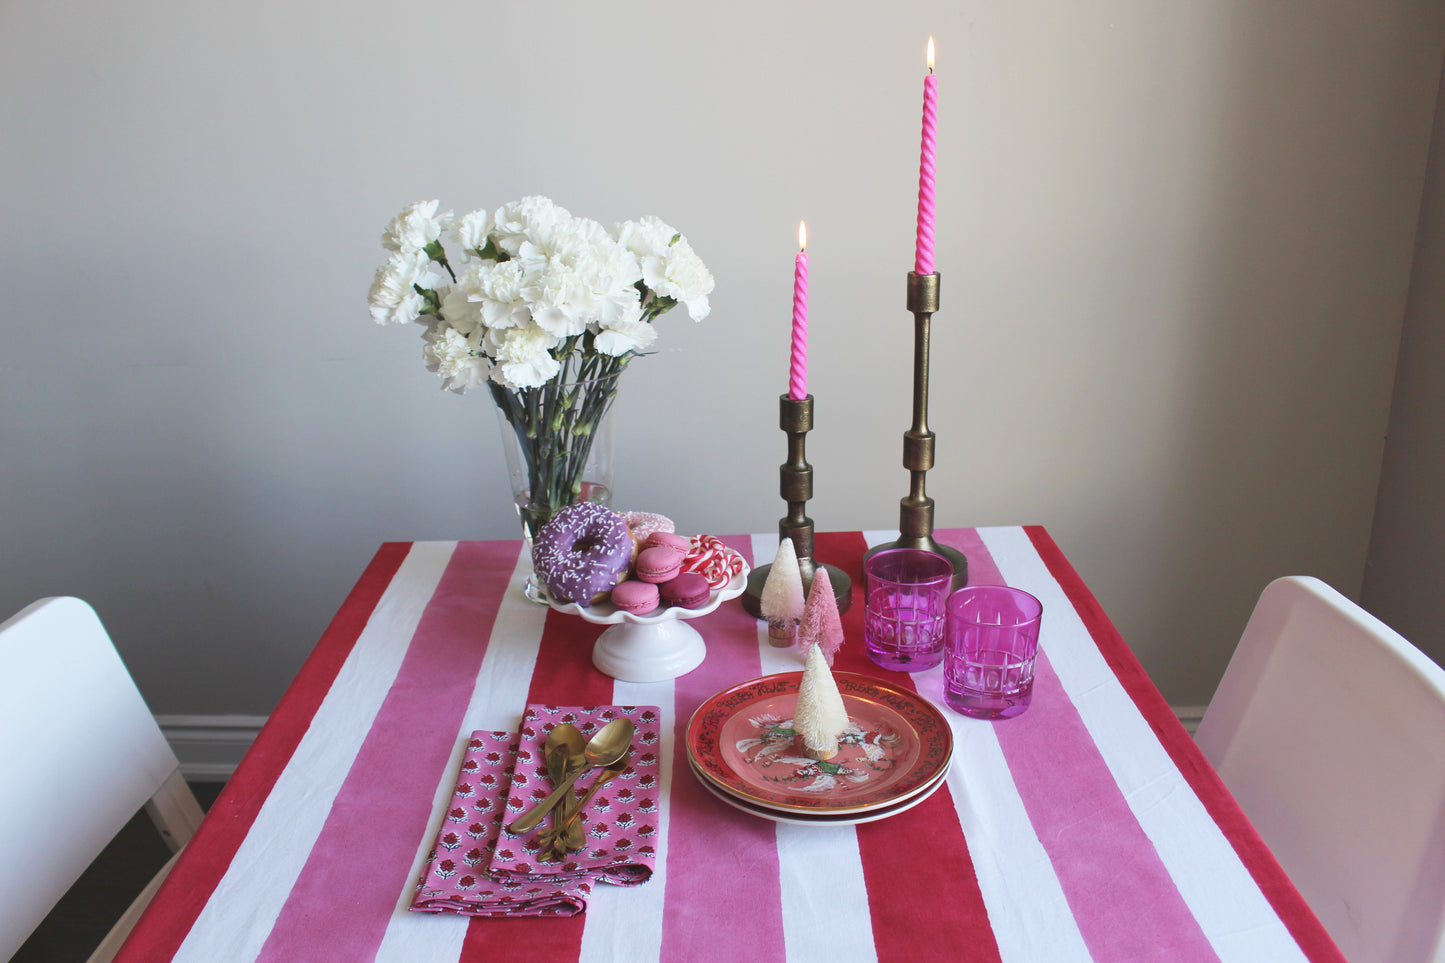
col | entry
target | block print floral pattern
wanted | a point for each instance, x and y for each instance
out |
(623, 819)
(455, 880)
(476, 868)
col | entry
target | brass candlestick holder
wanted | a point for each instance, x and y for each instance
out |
(915, 514)
(795, 416)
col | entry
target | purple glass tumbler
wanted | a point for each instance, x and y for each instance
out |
(993, 637)
(905, 608)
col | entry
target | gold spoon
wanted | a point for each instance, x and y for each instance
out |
(564, 753)
(572, 828)
(564, 744)
(611, 741)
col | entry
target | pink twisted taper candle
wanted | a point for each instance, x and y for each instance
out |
(798, 369)
(927, 164)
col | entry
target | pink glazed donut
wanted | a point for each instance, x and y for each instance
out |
(582, 552)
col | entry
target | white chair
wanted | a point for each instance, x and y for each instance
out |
(1329, 729)
(79, 755)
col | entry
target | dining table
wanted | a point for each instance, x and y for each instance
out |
(1089, 827)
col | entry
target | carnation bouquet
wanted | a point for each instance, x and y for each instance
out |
(545, 309)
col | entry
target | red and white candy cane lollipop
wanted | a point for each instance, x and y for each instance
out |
(713, 560)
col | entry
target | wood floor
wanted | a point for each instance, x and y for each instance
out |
(81, 920)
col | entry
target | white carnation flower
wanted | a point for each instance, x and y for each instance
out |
(680, 274)
(597, 276)
(619, 304)
(560, 297)
(500, 296)
(626, 337)
(461, 306)
(532, 219)
(522, 357)
(469, 232)
(415, 227)
(455, 356)
(546, 279)
(393, 296)
(646, 237)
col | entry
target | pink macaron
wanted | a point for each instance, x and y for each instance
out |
(658, 564)
(679, 543)
(636, 597)
(688, 590)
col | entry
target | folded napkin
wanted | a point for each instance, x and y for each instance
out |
(621, 820)
(455, 879)
(477, 868)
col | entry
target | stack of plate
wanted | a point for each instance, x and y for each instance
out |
(895, 754)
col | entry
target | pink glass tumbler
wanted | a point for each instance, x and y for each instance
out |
(993, 636)
(905, 608)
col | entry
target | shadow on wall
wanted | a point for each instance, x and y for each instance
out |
(1237, 321)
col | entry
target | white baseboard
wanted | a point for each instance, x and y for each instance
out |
(210, 747)
(1190, 716)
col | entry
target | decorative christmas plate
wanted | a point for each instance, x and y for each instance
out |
(823, 819)
(742, 741)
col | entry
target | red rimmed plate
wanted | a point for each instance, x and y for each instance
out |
(897, 744)
(824, 819)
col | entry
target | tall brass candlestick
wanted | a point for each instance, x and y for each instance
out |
(915, 514)
(795, 483)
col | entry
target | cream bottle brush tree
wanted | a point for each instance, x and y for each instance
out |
(820, 717)
(782, 598)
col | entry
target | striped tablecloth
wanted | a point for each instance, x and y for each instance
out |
(1089, 828)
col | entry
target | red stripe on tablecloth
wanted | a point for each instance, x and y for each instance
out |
(564, 676)
(364, 853)
(734, 890)
(1300, 920)
(160, 932)
(909, 861)
(1126, 904)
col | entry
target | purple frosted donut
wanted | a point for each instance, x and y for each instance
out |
(582, 552)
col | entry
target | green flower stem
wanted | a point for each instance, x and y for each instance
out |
(556, 425)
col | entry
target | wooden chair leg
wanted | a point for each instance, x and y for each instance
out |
(109, 946)
(175, 811)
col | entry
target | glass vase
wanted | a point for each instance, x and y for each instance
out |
(558, 441)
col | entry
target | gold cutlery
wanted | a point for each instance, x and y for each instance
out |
(609, 745)
(571, 834)
(564, 753)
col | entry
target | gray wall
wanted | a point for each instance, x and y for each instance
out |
(1176, 241)
(1406, 564)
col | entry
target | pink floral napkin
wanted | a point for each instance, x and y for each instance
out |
(455, 880)
(621, 820)
(477, 868)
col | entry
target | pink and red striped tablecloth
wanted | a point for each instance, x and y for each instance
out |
(1089, 828)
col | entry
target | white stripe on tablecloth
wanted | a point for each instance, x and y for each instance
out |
(506, 670)
(816, 864)
(1232, 911)
(1027, 910)
(822, 870)
(238, 917)
(625, 922)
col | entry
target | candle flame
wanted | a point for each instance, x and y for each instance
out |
(802, 235)
(930, 55)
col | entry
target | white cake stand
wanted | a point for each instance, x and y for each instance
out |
(653, 647)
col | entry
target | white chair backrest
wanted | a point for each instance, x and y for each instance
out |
(1329, 729)
(80, 754)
